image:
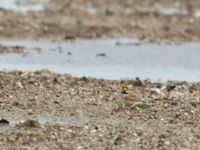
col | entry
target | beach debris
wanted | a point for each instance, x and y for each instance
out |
(138, 82)
(23, 104)
(69, 53)
(101, 55)
(12, 49)
(120, 105)
(170, 86)
(116, 140)
(29, 123)
(118, 43)
(143, 105)
(157, 92)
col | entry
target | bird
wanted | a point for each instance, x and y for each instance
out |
(128, 96)
(124, 90)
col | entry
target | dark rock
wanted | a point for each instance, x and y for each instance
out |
(101, 55)
(4, 122)
(171, 86)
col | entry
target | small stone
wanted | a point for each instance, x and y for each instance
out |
(167, 142)
(138, 82)
(29, 123)
(19, 84)
(93, 131)
(156, 91)
(101, 55)
(69, 53)
(116, 139)
(4, 122)
(175, 103)
(137, 140)
(162, 119)
(166, 105)
(170, 86)
(164, 87)
(70, 130)
(79, 148)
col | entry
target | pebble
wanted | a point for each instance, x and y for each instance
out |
(167, 143)
(170, 86)
(79, 147)
(157, 92)
(19, 84)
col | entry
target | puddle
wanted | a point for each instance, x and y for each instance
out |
(78, 121)
(172, 11)
(197, 14)
(175, 11)
(159, 9)
(93, 10)
(107, 59)
(43, 120)
(68, 121)
(21, 6)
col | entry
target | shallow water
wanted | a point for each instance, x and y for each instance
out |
(172, 11)
(52, 120)
(176, 11)
(67, 121)
(15, 6)
(165, 11)
(108, 59)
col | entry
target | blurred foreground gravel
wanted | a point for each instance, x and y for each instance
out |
(87, 113)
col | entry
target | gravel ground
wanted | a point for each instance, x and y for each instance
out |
(11, 49)
(86, 113)
(66, 20)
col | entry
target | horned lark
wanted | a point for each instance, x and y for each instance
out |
(128, 95)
